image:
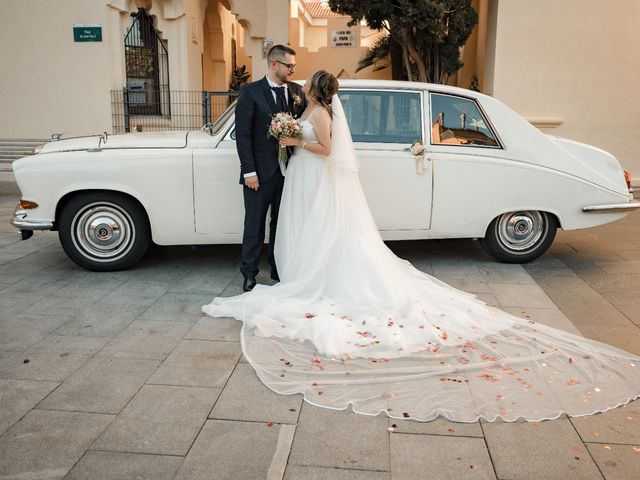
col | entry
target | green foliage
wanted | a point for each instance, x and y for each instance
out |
(430, 32)
(239, 77)
(377, 56)
(475, 84)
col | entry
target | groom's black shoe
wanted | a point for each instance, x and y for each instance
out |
(249, 283)
(274, 275)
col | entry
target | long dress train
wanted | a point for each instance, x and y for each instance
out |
(351, 323)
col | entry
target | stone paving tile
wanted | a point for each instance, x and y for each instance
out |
(209, 282)
(17, 397)
(464, 284)
(616, 462)
(231, 450)
(47, 444)
(11, 305)
(439, 426)
(620, 425)
(442, 457)
(64, 304)
(198, 363)
(246, 398)
(632, 312)
(160, 419)
(102, 385)
(458, 269)
(138, 287)
(617, 266)
(177, 307)
(20, 331)
(297, 472)
(488, 298)
(106, 318)
(97, 465)
(41, 285)
(626, 337)
(336, 438)
(509, 273)
(520, 295)
(146, 339)
(219, 329)
(551, 449)
(54, 358)
(151, 270)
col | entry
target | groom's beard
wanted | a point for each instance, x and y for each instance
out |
(283, 78)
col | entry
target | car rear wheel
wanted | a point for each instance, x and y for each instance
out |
(519, 237)
(104, 231)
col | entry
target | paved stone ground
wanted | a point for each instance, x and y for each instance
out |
(125, 379)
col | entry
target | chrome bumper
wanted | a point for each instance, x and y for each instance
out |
(616, 207)
(21, 222)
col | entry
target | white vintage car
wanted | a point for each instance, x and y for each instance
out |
(487, 173)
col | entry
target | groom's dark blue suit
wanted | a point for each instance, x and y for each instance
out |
(259, 153)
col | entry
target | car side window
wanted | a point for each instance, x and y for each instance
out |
(459, 121)
(383, 116)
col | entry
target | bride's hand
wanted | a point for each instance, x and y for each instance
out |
(290, 141)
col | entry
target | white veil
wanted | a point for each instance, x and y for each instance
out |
(353, 324)
(343, 154)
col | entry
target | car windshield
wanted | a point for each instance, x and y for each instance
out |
(222, 119)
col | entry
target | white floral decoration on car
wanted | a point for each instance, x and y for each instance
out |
(419, 151)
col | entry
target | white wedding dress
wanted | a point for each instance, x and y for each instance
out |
(351, 323)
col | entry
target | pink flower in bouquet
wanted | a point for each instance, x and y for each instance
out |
(284, 125)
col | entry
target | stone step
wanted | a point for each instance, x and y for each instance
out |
(13, 156)
(5, 165)
(13, 146)
(38, 141)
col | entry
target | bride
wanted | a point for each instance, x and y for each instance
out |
(351, 323)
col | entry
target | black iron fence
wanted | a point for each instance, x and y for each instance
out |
(142, 110)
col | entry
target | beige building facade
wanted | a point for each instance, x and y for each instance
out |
(568, 67)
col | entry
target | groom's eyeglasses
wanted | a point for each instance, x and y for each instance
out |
(290, 66)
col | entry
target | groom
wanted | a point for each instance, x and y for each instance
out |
(259, 169)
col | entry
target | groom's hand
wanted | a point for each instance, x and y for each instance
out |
(252, 182)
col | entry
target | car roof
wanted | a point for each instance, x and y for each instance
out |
(404, 85)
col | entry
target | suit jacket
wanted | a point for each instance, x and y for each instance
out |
(258, 150)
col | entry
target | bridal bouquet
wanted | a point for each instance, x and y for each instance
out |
(284, 125)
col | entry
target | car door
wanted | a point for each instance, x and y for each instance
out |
(383, 125)
(473, 173)
(217, 195)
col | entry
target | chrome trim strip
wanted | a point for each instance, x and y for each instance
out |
(609, 208)
(31, 224)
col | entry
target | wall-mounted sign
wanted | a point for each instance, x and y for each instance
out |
(343, 38)
(87, 32)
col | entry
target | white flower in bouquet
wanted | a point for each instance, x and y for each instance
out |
(284, 125)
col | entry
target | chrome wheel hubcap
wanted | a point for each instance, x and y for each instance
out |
(103, 231)
(521, 230)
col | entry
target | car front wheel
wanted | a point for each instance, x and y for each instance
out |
(519, 237)
(104, 231)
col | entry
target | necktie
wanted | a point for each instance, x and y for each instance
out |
(281, 100)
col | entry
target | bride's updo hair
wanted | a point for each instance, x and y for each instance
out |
(323, 87)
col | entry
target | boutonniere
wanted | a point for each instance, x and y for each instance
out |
(297, 101)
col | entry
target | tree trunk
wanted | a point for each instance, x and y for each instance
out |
(418, 59)
(396, 53)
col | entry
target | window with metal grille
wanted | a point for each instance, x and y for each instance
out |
(147, 66)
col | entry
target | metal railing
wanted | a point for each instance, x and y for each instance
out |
(171, 110)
